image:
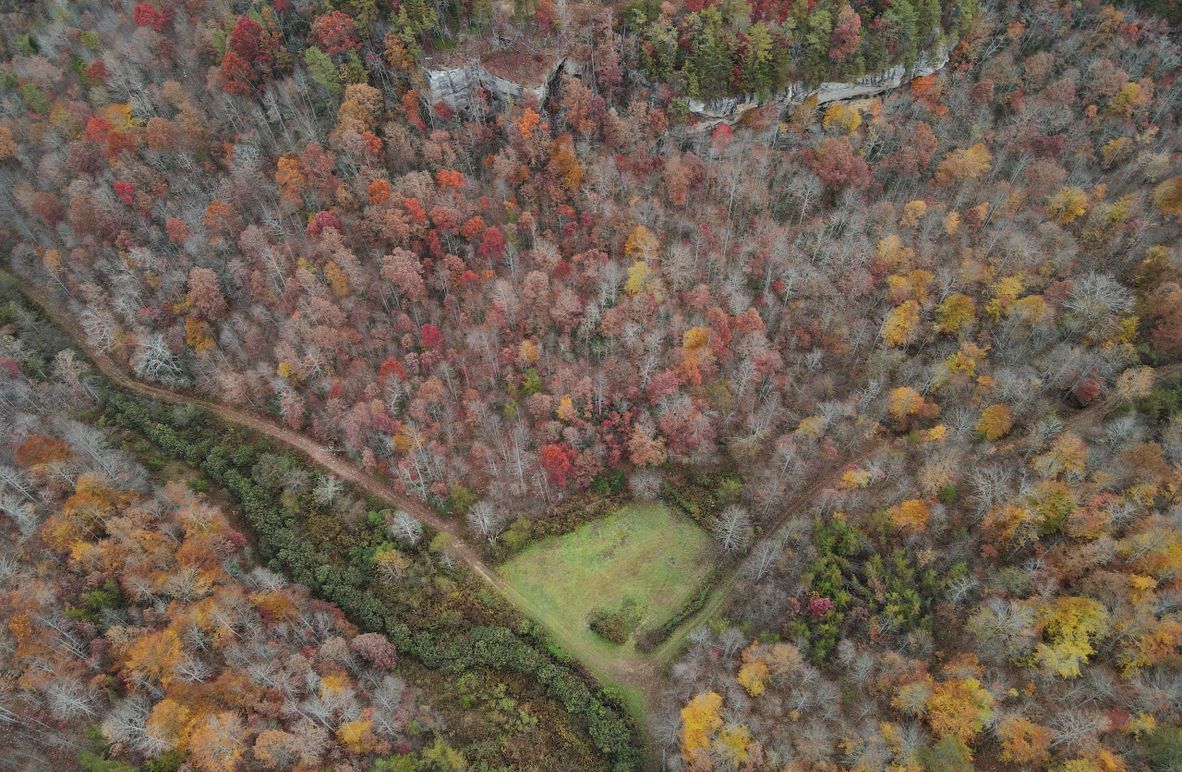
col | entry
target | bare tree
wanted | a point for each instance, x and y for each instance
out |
(484, 520)
(763, 558)
(1077, 729)
(69, 698)
(645, 484)
(405, 528)
(327, 490)
(732, 528)
(154, 361)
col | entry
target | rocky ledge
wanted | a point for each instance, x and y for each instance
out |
(732, 109)
(456, 87)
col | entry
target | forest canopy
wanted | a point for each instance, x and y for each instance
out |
(898, 349)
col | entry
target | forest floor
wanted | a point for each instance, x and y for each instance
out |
(638, 678)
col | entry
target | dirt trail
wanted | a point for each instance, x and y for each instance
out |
(629, 669)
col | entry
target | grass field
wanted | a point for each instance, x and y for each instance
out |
(643, 556)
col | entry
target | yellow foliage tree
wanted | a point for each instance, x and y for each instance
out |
(699, 718)
(289, 177)
(197, 336)
(1023, 741)
(969, 163)
(955, 313)
(905, 402)
(810, 427)
(119, 115)
(1030, 310)
(52, 260)
(390, 564)
(901, 324)
(854, 478)
(695, 338)
(732, 745)
(154, 655)
(8, 145)
(357, 736)
(639, 278)
(913, 284)
(962, 363)
(641, 244)
(528, 352)
(753, 675)
(892, 252)
(170, 722)
(913, 212)
(1071, 625)
(839, 114)
(1068, 456)
(959, 708)
(995, 422)
(1004, 294)
(911, 515)
(1068, 205)
(337, 280)
(1115, 150)
(951, 223)
(1129, 99)
(1014, 524)
(566, 162)
(566, 410)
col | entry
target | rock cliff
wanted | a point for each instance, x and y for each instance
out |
(457, 88)
(731, 109)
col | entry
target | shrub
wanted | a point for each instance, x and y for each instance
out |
(615, 626)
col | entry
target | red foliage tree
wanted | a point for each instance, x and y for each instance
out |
(237, 75)
(492, 243)
(430, 336)
(837, 164)
(557, 460)
(846, 35)
(320, 221)
(247, 63)
(246, 41)
(148, 15)
(124, 191)
(336, 32)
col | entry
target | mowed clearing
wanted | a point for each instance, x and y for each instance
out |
(643, 554)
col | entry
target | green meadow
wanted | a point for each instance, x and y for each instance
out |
(643, 560)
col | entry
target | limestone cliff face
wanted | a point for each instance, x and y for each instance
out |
(457, 88)
(731, 109)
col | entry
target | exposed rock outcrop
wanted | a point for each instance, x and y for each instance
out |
(457, 87)
(731, 109)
